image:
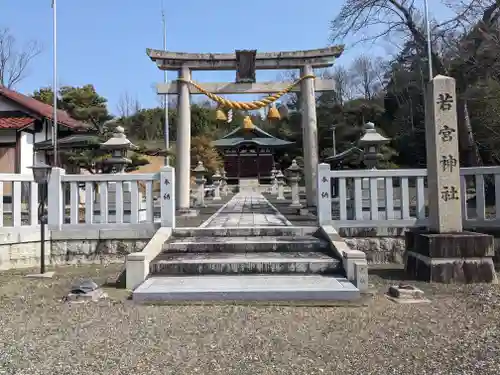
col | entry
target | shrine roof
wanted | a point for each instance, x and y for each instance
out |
(255, 135)
(85, 140)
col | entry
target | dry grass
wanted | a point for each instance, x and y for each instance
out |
(457, 333)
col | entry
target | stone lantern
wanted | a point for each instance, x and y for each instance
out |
(281, 185)
(370, 143)
(223, 180)
(294, 178)
(274, 180)
(217, 184)
(119, 146)
(199, 175)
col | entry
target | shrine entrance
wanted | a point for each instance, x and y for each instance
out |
(245, 63)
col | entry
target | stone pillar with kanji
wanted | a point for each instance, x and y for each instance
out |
(443, 169)
(443, 252)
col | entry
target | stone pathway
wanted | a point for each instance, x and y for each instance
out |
(247, 209)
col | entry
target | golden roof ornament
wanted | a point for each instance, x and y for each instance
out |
(220, 115)
(273, 114)
(247, 123)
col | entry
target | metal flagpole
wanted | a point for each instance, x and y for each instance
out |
(54, 86)
(429, 42)
(165, 99)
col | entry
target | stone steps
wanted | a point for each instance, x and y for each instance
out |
(244, 232)
(244, 263)
(205, 288)
(246, 244)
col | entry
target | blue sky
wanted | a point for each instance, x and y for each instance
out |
(103, 42)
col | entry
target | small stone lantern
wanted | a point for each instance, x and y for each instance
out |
(119, 146)
(370, 143)
(281, 185)
(199, 175)
(217, 184)
(274, 180)
(224, 187)
(294, 178)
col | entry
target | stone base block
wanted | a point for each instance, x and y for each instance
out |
(405, 292)
(45, 275)
(463, 257)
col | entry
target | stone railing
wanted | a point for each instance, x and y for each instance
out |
(394, 198)
(111, 200)
(19, 201)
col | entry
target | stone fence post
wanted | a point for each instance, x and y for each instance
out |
(167, 193)
(55, 200)
(324, 200)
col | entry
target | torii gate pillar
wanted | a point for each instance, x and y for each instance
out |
(183, 144)
(309, 134)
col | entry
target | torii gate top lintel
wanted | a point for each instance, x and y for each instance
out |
(316, 58)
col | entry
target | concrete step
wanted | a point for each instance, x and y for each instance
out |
(244, 232)
(246, 288)
(244, 263)
(245, 244)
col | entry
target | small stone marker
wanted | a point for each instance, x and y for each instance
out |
(443, 166)
(85, 291)
(404, 293)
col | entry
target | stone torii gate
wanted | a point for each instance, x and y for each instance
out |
(244, 63)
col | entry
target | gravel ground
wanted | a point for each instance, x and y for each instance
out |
(457, 333)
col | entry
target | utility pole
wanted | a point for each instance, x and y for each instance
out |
(165, 79)
(54, 87)
(334, 140)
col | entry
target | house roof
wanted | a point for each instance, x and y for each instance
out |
(15, 120)
(256, 136)
(40, 109)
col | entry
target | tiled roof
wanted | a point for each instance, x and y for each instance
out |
(256, 136)
(15, 121)
(41, 109)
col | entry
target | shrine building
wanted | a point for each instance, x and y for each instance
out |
(248, 152)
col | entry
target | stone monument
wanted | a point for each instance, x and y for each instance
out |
(444, 252)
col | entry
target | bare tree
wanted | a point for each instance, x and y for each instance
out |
(343, 84)
(15, 61)
(127, 105)
(366, 75)
(402, 19)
